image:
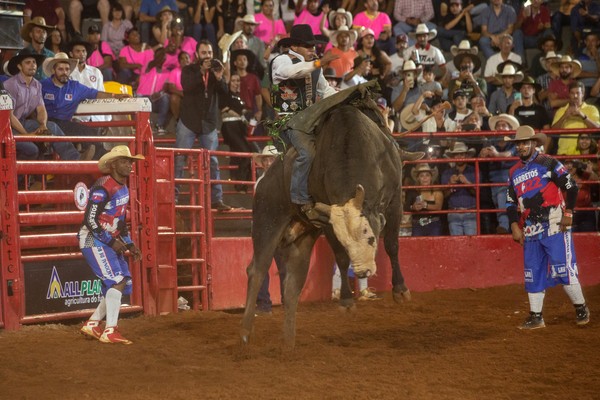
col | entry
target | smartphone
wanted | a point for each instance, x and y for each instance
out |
(518, 96)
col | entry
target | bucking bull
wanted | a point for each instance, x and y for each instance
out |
(355, 181)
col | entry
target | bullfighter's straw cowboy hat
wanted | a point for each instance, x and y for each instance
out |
(115, 153)
(526, 132)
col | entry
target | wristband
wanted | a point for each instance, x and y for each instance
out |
(569, 215)
(317, 63)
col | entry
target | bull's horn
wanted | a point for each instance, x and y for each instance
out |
(323, 208)
(359, 197)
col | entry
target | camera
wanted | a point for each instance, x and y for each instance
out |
(579, 167)
(216, 65)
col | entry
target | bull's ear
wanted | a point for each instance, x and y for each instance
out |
(324, 209)
(359, 197)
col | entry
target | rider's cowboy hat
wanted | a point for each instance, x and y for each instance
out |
(526, 132)
(528, 80)
(300, 35)
(424, 168)
(554, 67)
(346, 14)
(548, 59)
(12, 66)
(422, 29)
(50, 62)
(463, 47)
(509, 119)
(509, 70)
(458, 59)
(461, 147)
(35, 21)
(343, 29)
(116, 152)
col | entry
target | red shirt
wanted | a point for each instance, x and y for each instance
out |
(249, 89)
(557, 86)
(535, 24)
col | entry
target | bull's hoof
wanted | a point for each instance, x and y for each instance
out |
(401, 294)
(245, 337)
(347, 305)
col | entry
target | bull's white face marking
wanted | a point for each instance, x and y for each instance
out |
(353, 231)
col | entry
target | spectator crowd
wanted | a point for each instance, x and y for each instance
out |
(442, 65)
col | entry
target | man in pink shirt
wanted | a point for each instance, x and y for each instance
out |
(102, 56)
(269, 26)
(309, 16)
(152, 85)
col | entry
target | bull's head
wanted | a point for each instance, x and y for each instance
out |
(355, 232)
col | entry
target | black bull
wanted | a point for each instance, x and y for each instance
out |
(354, 151)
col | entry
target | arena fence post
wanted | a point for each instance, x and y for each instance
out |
(11, 271)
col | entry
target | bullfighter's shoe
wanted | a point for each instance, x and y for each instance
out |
(582, 314)
(112, 335)
(91, 329)
(534, 321)
(368, 294)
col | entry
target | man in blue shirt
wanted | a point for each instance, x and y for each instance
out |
(62, 96)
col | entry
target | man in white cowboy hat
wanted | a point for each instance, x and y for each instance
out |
(576, 114)
(410, 14)
(498, 171)
(545, 79)
(504, 55)
(467, 79)
(343, 40)
(62, 95)
(503, 97)
(104, 239)
(407, 91)
(453, 68)
(26, 93)
(379, 22)
(540, 220)
(498, 19)
(547, 43)
(248, 25)
(566, 70)
(456, 25)
(35, 32)
(526, 109)
(423, 52)
(147, 15)
(297, 78)
(460, 198)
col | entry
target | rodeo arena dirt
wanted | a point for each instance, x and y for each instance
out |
(456, 338)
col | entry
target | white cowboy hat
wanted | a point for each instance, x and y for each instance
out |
(347, 15)
(408, 120)
(566, 60)
(463, 47)
(424, 168)
(509, 119)
(35, 21)
(247, 19)
(509, 70)
(343, 29)
(461, 147)
(526, 132)
(409, 65)
(269, 151)
(549, 59)
(422, 29)
(226, 41)
(120, 151)
(50, 62)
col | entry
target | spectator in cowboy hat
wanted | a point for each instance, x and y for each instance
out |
(343, 40)
(505, 54)
(527, 109)
(544, 79)
(576, 114)
(29, 116)
(335, 20)
(503, 97)
(468, 65)
(421, 201)
(35, 32)
(148, 11)
(331, 76)
(423, 52)
(566, 70)
(463, 47)
(161, 30)
(248, 25)
(497, 172)
(407, 91)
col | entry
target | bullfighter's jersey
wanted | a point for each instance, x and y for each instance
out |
(535, 188)
(104, 219)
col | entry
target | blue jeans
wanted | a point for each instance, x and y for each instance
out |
(65, 150)
(210, 141)
(161, 106)
(462, 224)
(499, 194)
(404, 28)
(304, 144)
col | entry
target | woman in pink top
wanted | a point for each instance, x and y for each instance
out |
(269, 28)
(177, 43)
(173, 85)
(309, 16)
(152, 85)
(134, 57)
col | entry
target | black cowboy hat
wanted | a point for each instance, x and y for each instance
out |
(12, 66)
(253, 65)
(88, 46)
(461, 56)
(300, 35)
(518, 67)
